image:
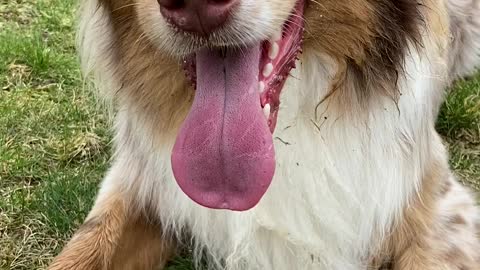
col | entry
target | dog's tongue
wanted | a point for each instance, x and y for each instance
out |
(223, 157)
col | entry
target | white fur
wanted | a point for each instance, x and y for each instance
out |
(93, 41)
(339, 184)
(465, 27)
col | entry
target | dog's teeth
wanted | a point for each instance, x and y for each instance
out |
(267, 70)
(261, 87)
(274, 50)
(266, 110)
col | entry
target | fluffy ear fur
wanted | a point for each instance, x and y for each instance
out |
(362, 178)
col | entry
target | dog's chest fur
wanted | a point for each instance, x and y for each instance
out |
(342, 176)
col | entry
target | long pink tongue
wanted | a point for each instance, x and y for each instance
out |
(223, 157)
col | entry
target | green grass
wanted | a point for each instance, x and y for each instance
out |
(54, 142)
(52, 151)
(459, 123)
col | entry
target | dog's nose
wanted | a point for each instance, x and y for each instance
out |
(197, 16)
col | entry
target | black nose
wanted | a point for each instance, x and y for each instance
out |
(197, 16)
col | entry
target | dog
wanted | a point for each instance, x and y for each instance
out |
(278, 134)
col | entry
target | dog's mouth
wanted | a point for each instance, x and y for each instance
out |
(224, 156)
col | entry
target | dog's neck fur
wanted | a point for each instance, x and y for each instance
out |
(345, 169)
(340, 174)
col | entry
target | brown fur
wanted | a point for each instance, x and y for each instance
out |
(368, 40)
(115, 237)
(150, 81)
(142, 247)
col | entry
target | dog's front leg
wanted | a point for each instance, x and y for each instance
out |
(116, 235)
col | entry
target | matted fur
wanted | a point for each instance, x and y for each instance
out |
(360, 168)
